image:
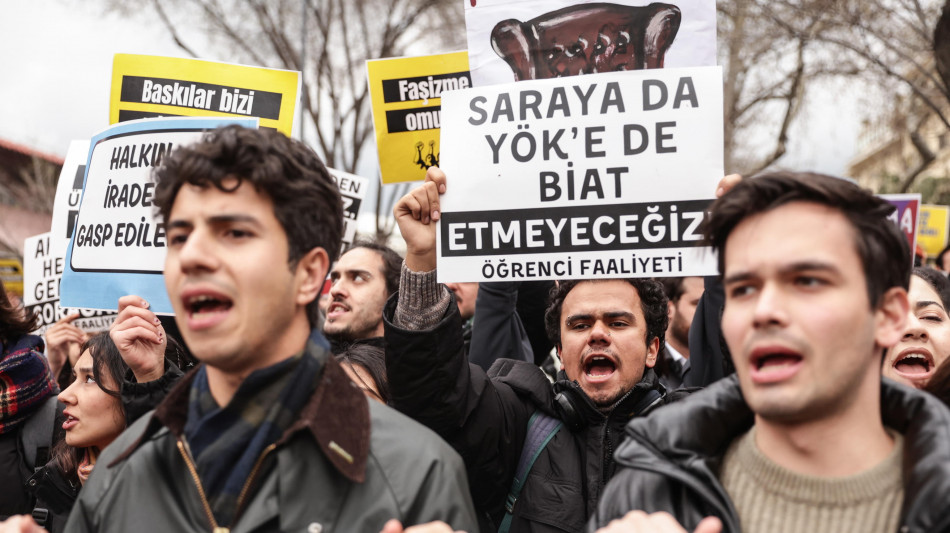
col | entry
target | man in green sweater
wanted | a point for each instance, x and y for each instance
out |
(805, 437)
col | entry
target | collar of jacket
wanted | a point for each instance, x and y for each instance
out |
(626, 407)
(336, 415)
(695, 432)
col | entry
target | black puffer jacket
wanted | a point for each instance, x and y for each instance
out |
(669, 462)
(485, 418)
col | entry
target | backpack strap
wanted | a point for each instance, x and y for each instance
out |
(36, 435)
(541, 429)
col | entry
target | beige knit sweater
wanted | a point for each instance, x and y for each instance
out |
(773, 499)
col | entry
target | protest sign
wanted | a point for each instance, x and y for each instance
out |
(118, 245)
(68, 193)
(153, 86)
(905, 216)
(932, 228)
(515, 40)
(11, 275)
(580, 177)
(405, 94)
(352, 190)
(42, 273)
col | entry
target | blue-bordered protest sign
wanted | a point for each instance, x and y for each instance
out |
(118, 243)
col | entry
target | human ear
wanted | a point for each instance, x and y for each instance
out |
(653, 348)
(890, 318)
(311, 272)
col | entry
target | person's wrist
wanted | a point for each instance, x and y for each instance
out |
(151, 373)
(424, 262)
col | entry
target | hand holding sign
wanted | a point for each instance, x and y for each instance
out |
(416, 213)
(140, 338)
(63, 340)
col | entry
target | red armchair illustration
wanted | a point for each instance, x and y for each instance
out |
(587, 38)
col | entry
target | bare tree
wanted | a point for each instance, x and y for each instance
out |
(885, 43)
(329, 41)
(32, 187)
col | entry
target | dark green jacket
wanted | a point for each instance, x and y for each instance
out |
(348, 464)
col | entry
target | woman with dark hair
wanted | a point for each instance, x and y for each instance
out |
(366, 366)
(926, 341)
(95, 415)
(25, 387)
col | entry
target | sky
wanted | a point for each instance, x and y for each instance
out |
(57, 64)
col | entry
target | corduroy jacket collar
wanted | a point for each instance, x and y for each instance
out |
(336, 415)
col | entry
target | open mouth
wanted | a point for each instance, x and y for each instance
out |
(599, 368)
(776, 361)
(205, 304)
(69, 422)
(774, 364)
(914, 364)
(336, 309)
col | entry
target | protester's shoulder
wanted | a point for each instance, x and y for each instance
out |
(395, 435)
(133, 444)
(524, 377)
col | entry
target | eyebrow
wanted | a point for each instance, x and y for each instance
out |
(351, 271)
(217, 220)
(609, 314)
(927, 303)
(85, 369)
(786, 269)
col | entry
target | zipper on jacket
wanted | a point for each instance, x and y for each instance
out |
(183, 448)
(250, 478)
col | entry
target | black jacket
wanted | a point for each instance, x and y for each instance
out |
(670, 461)
(485, 417)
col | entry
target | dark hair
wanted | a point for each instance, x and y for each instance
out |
(652, 303)
(673, 287)
(940, 261)
(306, 200)
(392, 262)
(373, 359)
(105, 359)
(15, 322)
(938, 281)
(883, 249)
(939, 384)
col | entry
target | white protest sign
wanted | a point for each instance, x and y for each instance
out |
(42, 270)
(581, 177)
(352, 190)
(118, 246)
(68, 194)
(516, 40)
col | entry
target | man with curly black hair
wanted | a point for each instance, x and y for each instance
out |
(607, 334)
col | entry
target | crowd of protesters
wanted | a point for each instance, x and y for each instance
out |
(803, 389)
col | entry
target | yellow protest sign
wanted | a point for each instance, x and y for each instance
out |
(932, 229)
(406, 96)
(153, 86)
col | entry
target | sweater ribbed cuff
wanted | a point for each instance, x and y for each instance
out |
(422, 300)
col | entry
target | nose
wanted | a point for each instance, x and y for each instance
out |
(599, 333)
(769, 307)
(915, 328)
(196, 252)
(68, 395)
(337, 288)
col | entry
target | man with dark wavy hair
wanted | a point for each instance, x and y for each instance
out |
(806, 437)
(361, 281)
(607, 334)
(268, 433)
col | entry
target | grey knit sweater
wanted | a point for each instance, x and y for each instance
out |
(773, 499)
